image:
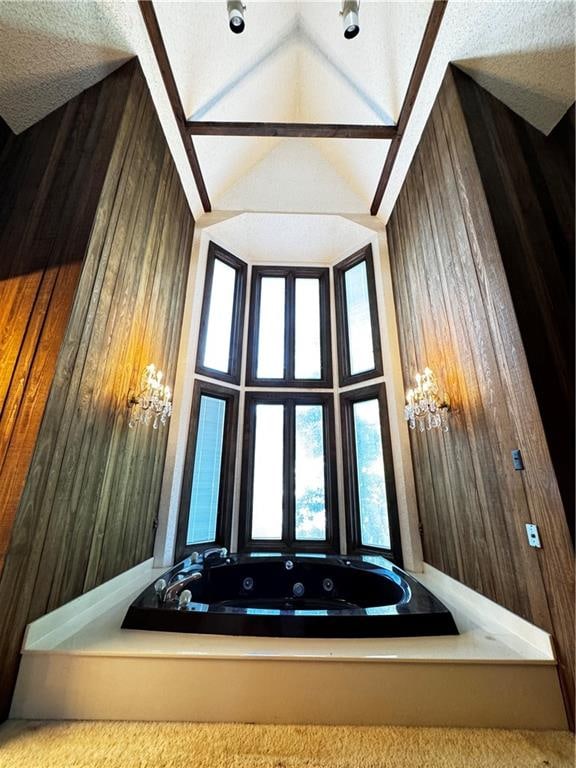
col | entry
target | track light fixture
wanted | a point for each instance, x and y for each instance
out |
(236, 21)
(350, 18)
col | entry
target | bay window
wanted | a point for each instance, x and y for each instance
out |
(288, 490)
(370, 495)
(222, 320)
(359, 354)
(208, 483)
(289, 330)
(289, 497)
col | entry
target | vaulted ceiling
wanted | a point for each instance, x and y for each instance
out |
(291, 64)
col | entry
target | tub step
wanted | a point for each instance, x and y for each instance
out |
(78, 664)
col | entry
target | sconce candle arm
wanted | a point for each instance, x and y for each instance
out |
(153, 402)
(425, 407)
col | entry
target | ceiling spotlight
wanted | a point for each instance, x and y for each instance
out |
(236, 21)
(350, 16)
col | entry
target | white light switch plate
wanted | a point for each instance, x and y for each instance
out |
(533, 535)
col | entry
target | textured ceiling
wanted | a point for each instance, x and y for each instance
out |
(51, 51)
(283, 238)
(291, 64)
(522, 51)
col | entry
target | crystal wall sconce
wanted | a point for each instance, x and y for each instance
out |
(425, 407)
(154, 401)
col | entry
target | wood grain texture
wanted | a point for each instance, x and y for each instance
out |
(46, 213)
(88, 508)
(456, 314)
(529, 182)
(291, 130)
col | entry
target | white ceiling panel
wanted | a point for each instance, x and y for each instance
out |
(329, 96)
(290, 238)
(358, 161)
(363, 79)
(224, 160)
(293, 177)
(210, 63)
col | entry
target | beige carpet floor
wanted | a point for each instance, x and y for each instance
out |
(68, 744)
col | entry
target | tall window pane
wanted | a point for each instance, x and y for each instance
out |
(219, 328)
(206, 476)
(307, 364)
(267, 495)
(310, 491)
(358, 315)
(271, 329)
(374, 526)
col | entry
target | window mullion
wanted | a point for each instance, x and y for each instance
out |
(329, 468)
(253, 340)
(248, 449)
(289, 479)
(349, 448)
(289, 327)
(352, 469)
(325, 330)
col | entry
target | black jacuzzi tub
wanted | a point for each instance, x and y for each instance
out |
(291, 596)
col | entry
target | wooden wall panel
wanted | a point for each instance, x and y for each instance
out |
(456, 314)
(89, 505)
(529, 184)
(46, 212)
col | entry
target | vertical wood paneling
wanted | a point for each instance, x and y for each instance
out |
(456, 314)
(91, 496)
(529, 182)
(46, 213)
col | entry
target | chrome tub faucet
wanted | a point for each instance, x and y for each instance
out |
(174, 589)
(221, 552)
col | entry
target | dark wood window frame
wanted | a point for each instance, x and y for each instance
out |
(346, 378)
(347, 400)
(291, 274)
(226, 496)
(235, 356)
(288, 541)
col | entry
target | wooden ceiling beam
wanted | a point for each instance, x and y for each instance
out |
(155, 35)
(428, 40)
(291, 130)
